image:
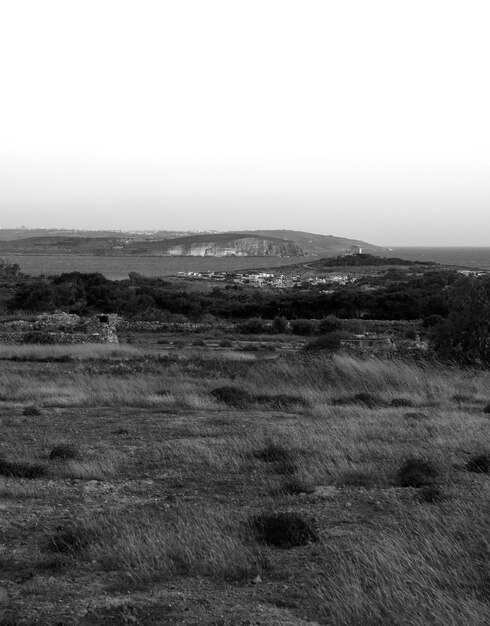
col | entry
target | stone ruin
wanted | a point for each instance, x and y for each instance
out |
(63, 328)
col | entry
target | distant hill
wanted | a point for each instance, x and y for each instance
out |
(221, 244)
(319, 245)
(364, 260)
(156, 243)
(13, 234)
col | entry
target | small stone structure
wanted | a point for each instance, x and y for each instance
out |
(61, 327)
(368, 344)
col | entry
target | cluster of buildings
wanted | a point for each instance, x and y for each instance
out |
(266, 279)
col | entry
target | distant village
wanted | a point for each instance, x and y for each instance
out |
(273, 280)
(268, 279)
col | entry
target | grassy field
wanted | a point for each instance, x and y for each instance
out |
(146, 488)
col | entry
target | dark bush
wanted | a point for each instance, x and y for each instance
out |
(461, 397)
(303, 327)
(284, 530)
(21, 470)
(330, 342)
(431, 494)
(37, 336)
(274, 453)
(417, 473)
(232, 396)
(329, 324)
(400, 402)
(368, 400)
(121, 431)
(280, 325)
(31, 411)
(487, 409)
(225, 343)
(365, 399)
(479, 464)
(64, 452)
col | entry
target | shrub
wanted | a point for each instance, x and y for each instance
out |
(479, 464)
(487, 409)
(329, 324)
(31, 410)
(284, 460)
(417, 473)
(431, 494)
(21, 470)
(330, 341)
(252, 326)
(400, 402)
(64, 452)
(461, 397)
(36, 336)
(411, 333)
(121, 431)
(232, 396)
(225, 343)
(303, 327)
(368, 400)
(284, 530)
(280, 325)
(199, 343)
(273, 453)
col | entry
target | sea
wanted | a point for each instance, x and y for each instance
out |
(118, 268)
(477, 258)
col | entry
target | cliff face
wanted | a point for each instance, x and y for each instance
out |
(243, 246)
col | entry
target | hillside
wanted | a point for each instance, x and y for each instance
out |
(319, 245)
(219, 245)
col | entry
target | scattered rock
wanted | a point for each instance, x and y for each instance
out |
(325, 491)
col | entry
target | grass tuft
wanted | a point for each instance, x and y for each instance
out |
(415, 415)
(282, 401)
(71, 540)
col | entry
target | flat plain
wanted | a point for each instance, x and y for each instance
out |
(142, 486)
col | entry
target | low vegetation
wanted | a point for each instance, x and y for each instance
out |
(197, 488)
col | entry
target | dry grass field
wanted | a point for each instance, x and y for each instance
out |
(146, 488)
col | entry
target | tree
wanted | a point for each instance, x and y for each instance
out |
(465, 335)
(280, 325)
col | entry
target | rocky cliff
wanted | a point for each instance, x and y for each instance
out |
(236, 246)
(215, 244)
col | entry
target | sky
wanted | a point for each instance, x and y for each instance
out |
(361, 119)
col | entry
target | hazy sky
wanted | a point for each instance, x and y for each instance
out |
(368, 119)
